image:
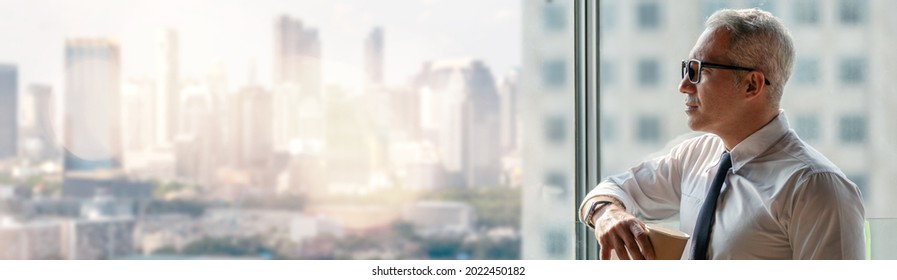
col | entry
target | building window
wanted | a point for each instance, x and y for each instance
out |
(556, 243)
(608, 16)
(806, 71)
(711, 6)
(862, 182)
(853, 71)
(608, 129)
(556, 184)
(554, 17)
(554, 73)
(648, 15)
(806, 12)
(852, 12)
(648, 129)
(607, 72)
(853, 129)
(807, 127)
(556, 129)
(648, 72)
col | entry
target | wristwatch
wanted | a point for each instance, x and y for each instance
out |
(594, 207)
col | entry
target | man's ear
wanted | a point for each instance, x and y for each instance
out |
(755, 84)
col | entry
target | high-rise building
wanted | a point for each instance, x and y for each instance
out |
(254, 143)
(92, 117)
(43, 130)
(9, 100)
(460, 113)
(287, 101)
(168, 80)
(348, 142)
(509, 93)
(373, 57)
(547, 97)
(195, 143)
(138, 100)
(297, 55)
(223, 108)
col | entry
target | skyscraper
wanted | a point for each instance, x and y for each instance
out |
(194, 145)
(168, 80)
(297, 55)
(139, 115)
(349, 142)
(373, 57)
(43, 103)
(509, 92)
(92, 114)
(9, 125)
(254, 126)
(461, 113)
(287, 101)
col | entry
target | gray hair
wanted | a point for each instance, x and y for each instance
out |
(758, 40)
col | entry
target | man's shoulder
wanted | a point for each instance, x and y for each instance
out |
(805, 155)
(793, 155)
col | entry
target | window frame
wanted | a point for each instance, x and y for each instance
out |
(586, 121)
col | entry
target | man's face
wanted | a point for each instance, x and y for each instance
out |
(713, 104)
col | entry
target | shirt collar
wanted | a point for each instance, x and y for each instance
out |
(760, 141)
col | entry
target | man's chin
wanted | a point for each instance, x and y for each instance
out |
(694, 125)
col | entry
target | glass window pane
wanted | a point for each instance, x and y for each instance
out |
(608, 16)
(807, 127)
(546, 156)
(556, 185)
(648, 72)
(648, 129)
(554, 17)
(554, 73)
(556, 129)
(609, 129)
(853, 71)
(271, 129)
(852, 129)
(806, 12)
(608, 74)
(648, 15)
(806, 71)
(862, 182)
(852, 12)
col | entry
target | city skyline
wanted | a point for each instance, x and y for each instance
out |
(208, 39)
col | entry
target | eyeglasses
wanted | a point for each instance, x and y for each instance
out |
(692, 68)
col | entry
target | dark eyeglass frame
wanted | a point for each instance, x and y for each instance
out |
(686, 71)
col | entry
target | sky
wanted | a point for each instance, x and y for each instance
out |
(239, 33)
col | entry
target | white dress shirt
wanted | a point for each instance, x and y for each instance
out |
(781, 199)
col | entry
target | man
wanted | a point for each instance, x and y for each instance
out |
(775, 197)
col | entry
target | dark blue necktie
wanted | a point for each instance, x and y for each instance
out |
(705, 217)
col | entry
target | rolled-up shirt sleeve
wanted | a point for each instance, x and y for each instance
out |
(826, 218)
(650, 190)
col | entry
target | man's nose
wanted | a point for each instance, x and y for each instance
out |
(686, 87)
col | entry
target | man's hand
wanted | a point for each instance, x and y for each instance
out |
(622, 233)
